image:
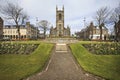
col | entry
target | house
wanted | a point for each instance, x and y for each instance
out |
(93, 32)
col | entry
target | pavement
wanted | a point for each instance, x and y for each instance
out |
(63, 66)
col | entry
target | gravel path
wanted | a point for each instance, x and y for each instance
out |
(62, 66)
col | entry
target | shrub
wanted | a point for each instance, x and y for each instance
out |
(104, 48)
(9, 48)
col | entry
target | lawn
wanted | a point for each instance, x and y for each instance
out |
(107, 66)
(19, 66)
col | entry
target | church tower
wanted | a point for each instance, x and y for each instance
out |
(60, 21)
(60, 31)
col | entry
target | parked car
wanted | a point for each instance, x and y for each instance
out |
(6, 38)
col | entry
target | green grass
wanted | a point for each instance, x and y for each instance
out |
(16, 66)
(107, 66)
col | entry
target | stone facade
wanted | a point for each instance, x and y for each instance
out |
(27, 31)
(60, 30)
(1, 28)
(93, 32)
(117, 26)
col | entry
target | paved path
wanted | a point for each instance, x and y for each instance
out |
(62, 66)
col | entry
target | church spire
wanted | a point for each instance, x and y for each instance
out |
(63, 8)
(56, 8)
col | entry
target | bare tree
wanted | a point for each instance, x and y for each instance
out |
(13, 11)
(101, 18)
(115, 18)
(44, 25)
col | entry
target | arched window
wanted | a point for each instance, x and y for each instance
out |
(60, 17)
(59, 25)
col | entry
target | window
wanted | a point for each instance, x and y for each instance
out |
(24, 36)
(5, 31)
(60, 17)
(60, 27)
(13, 32)
(8, 31)
(13, 36)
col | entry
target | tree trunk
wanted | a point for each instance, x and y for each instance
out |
(18, 30)
(44, 33)
(100, 33)
(116, 34)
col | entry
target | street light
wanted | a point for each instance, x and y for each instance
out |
(84, 27)
(36, 27)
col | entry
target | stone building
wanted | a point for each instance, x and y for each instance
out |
(1, 28)
(117, 30)
(60, 30)
(27, 31)
(93, 32)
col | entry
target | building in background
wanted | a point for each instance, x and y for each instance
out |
(93, 33)
(60, 30)
(32, 31)
(27, 31)
(117, 30)
(1, 28)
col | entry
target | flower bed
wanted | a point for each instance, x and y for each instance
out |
(104, 48)
(9, 48)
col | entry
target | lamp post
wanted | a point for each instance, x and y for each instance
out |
(36, 27)
(84, 29)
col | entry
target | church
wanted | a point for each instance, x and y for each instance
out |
(60, 31)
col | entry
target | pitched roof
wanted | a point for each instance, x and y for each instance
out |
(1, 19)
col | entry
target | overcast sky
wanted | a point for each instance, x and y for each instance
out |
(75, 10)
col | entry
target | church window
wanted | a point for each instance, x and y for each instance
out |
(60, 17)
(59, 26)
